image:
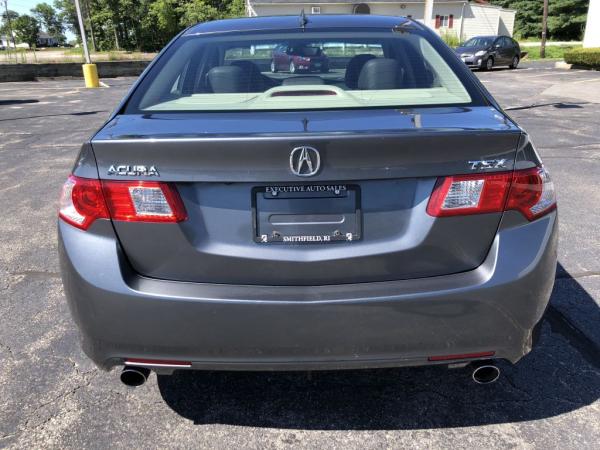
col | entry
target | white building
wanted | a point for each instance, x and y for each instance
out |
(43, 40)
(464, 18)
(592, 33)
(5, 41)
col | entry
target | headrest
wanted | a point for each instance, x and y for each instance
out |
(353, 69)
(380, 73)
(247, 66)
(223, 79)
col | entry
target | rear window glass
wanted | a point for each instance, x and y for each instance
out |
(299, 70)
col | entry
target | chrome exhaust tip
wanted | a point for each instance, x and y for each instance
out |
(134, 376)
(485, 372)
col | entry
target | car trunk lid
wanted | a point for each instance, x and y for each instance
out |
(235, 174)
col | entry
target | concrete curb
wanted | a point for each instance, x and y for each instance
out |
(562, 65)
(566, 66)
(106, 69)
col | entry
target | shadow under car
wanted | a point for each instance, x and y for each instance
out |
(561, 374)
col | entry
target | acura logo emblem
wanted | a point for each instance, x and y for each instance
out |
(305, 161)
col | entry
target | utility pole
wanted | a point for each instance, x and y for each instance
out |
(10, 31)
(90, 72)
(544, 29)
(428, 13)
(86, 51)
(462, 22)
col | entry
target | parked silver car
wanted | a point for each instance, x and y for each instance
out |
(487, 52)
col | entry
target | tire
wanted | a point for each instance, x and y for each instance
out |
(515, 63)
(489, 64)
(292, 67)
(273, 67)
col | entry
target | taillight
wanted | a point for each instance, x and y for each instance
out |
(532, 193)
(81, 202)
(143, 201)
(84, 200)
(529, 191)
(469, 194)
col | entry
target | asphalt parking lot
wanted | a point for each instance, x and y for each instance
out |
(52, 396)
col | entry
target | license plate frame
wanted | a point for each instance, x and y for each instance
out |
(324, 214)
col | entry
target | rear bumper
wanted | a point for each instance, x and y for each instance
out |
(400, 323)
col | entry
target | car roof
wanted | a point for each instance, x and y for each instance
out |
(267, 23)
(490, 36)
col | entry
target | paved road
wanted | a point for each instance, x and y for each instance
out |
(52, 396)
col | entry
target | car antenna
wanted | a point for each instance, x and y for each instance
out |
(303, 19)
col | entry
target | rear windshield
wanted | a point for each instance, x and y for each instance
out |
(304, 50)
(302, 70)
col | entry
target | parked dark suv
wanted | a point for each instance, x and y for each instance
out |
(486, 52)
(299, 57)
(387, 213)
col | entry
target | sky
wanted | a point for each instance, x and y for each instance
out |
(24, 6)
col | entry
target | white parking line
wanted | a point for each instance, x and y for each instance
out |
(548, 74)
(34, 88)
(55, 145)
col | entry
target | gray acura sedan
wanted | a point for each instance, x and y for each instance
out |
(384, 213)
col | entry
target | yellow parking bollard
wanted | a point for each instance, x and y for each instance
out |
(90, 75)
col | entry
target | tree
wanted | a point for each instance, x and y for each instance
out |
(67, 15)
(142, 24)
(12, 16)
(48, 18)
(236, 8)
(566, 18)
(114, 21)
(196, 11)
(6, 27)
(26, 29)
(528, 21)
(166, 16)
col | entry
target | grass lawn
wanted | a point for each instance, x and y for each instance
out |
(58, 55)
(68, 55)
(553, 52)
